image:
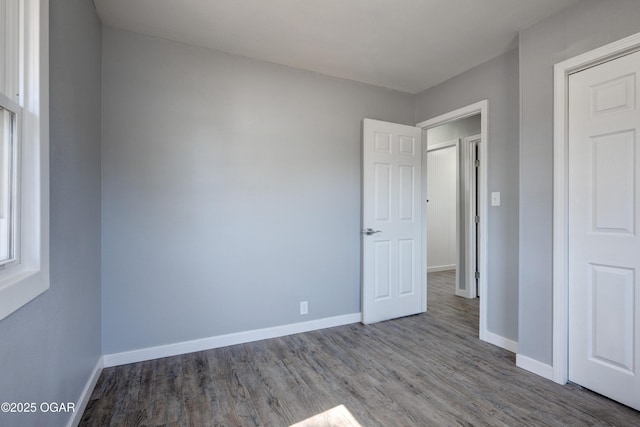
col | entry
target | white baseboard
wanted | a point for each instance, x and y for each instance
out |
(226, 340)
(437, 268)
(534, 366)
(500, 341)
(82, 402)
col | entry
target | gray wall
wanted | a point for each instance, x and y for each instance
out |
(51, 345)
(231, 191)
(458, 129)
(497, 81)
(585, 26)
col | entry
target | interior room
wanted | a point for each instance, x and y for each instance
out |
(224, 213)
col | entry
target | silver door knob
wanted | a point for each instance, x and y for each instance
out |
(371, 231)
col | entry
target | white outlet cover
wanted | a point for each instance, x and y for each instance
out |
(495, 198)
(304, 307)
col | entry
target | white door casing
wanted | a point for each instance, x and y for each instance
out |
(604, 214)
(394, 257)
(482, 108)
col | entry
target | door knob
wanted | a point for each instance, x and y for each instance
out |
(371, 231)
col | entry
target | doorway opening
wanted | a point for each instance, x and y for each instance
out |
(463, 133)
(453, 211)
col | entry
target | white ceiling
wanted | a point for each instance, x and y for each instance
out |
(407, 45)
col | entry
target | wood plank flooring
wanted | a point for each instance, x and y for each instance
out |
(424, 370)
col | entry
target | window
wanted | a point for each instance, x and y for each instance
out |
(9, 131)
(8, 174)
(24, 206)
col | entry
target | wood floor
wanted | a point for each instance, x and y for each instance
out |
(424, 370)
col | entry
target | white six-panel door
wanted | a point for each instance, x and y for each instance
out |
(604, 215)
(392, 240)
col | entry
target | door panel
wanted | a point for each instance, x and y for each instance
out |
(407, 193)
(612, 170)
(407, 267)
(382, 262)
(611, 308)
(604, 248)
(382, 189)
(393, 255)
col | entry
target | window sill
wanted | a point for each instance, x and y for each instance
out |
(20, 287)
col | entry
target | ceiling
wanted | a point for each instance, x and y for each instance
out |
(406, 45)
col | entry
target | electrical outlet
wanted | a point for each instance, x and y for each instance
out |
(495, 198)
(304, 307)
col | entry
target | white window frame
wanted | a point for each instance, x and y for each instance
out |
(28, 277)
(14, 160)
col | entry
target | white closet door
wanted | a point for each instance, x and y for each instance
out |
(604, 214)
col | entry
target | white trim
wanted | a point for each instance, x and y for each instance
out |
(482, 108)
(562, 71)
(501, 341)
(438, 268)
(534, 366)
(451, 116)
(184, 347)
(83, 400)
(469, 166)
(458, 218)
(442, 145)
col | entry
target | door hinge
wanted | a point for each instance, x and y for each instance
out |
(477, 219)
(477, 275)
(477, 163)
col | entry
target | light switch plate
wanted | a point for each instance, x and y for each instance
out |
(495, 198)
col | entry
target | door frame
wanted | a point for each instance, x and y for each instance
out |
(469, 215)
(482, 108)
(562, 71)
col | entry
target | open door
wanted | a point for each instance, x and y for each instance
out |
(393, 236)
